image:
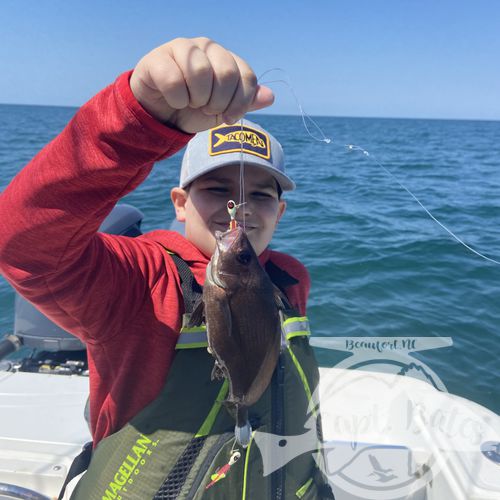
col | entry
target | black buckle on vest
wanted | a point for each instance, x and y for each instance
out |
(191, 289)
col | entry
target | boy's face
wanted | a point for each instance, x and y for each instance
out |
(203, 207)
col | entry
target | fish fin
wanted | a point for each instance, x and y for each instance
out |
(197, 315)
(226, 310)
(280, 299)
(228, 404)
(264, 374)
(217, 372)
(230, 407)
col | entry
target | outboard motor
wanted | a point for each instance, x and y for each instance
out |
(34, 330)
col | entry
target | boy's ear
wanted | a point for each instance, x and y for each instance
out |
(179, 197)
(281, 210)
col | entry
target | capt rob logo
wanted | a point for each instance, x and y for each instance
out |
(235, 138)
(388, 421)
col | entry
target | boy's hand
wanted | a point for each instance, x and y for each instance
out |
(195, 84)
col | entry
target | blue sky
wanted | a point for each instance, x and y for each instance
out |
(387, 58)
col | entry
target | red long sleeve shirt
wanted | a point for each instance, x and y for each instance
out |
(120, 295)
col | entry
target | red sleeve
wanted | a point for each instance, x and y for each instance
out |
(51, 211)
(299, 293)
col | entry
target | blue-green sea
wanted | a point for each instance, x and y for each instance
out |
(380, 267)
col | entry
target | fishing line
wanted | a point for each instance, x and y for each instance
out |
(242, 201)
(352, 147)
(303, 114)
(233, 447)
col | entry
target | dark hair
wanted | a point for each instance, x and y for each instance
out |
(280, 191)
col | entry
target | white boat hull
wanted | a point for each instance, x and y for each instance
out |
(42, 428)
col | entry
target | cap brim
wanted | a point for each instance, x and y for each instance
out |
(283, 180)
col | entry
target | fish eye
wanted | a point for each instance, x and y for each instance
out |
(244, 257)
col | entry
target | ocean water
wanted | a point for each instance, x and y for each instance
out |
(380, 267)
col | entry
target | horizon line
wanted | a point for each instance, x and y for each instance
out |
(267, 113)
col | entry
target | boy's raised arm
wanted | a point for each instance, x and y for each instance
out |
(51, 211)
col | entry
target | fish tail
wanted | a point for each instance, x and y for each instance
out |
(243, 434)
(243, 429)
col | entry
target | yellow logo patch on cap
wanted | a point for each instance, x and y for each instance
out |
(235, 138)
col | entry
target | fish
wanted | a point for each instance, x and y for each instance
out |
(240, 306)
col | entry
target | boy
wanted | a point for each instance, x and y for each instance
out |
(154, 411)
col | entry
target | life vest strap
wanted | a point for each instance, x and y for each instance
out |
(191, 289)
(195, 337)
(296, 327)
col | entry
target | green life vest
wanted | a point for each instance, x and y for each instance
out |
(173, 448)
